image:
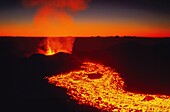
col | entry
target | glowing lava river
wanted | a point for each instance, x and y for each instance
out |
(102, 87)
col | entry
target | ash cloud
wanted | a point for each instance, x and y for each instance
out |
(54, 17)
(57, 11)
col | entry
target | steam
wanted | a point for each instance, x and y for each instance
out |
(54, 16)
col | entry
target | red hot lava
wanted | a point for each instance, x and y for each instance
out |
(106, 92)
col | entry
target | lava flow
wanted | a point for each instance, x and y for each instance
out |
(102, 87)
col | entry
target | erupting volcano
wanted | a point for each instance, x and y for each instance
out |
(51, 46)
(50, 71)
(102, 87)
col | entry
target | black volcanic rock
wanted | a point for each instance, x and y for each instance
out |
(29, 73)
(55, 64)
(32, 89)
(144, 64)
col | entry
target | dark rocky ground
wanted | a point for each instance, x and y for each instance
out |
(143, 63)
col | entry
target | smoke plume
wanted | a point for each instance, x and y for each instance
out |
(54, 16)
(51, 14)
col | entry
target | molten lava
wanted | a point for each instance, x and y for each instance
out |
(49, 50)
(102, 87)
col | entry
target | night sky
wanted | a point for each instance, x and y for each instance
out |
(150, 18)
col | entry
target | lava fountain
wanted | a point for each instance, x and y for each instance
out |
(51, 46)
(102, 87)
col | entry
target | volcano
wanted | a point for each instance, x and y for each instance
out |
(131, 74)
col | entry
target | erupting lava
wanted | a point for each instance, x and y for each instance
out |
(51, 46)
(49, 50)
(103, 88)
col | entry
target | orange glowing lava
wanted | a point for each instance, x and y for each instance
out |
(49, 50)
(102, 87)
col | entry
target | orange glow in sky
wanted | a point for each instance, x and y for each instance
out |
(83, 29)
(83, 18)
